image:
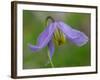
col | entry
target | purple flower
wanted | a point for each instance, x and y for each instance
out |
(58, 31)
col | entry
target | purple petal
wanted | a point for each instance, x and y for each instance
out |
(34, 48)
(44, 37)
(75, 36)
(51, 48)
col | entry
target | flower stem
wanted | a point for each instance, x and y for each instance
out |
(52, 65)
(49, 18)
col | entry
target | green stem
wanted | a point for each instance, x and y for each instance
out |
(47, 21)
(52, 65)
(49, 18)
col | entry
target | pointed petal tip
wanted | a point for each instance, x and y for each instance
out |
(84, 42)
(30, 46)
(80, 39)
(33, 48)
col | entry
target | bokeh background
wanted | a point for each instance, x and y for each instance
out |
(67, 55)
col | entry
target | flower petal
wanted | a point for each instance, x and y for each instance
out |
(51, 48)
(34, 47)
(75, 36)
(44, 37)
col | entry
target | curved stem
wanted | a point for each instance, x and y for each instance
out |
(52, 65)
(47, 20)
(46, 23)
(49, 17)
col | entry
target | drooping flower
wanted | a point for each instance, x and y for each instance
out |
(58, 31)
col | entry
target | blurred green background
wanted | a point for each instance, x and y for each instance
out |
(67, 55)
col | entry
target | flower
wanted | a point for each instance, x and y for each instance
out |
(58, 31)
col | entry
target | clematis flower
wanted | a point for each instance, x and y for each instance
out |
(58, 31)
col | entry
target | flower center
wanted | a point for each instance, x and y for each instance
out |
(59, 37)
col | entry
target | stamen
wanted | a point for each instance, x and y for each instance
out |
(58, 37)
